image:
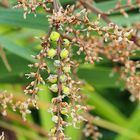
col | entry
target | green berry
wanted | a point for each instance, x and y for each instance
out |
(51, 53)
(63, 78)
(52, 78)
(55, 119)
(66, 42)
(57, 63)
(64, 111)
(67, 69)
(54, 88)
(64, 54)
(129, 37)
(54, 36)
(66, 90)
(53, 130)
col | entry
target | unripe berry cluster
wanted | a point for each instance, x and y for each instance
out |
(59, 82)
(56, 47)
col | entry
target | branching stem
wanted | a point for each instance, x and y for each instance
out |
(95, 10)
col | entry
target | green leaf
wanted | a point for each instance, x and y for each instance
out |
(102, 106)
(15, 18)
(133, 124)
(21, 137)
(99, 76)
(63, 2)
(121, 20)
(41, 21)
(117, 128)
(46, 118)
(19, 68)
(107, 5)
(20, 131)
(15, 49)
(66, 2)
(74, 133)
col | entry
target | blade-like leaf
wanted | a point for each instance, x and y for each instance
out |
(99, 76)
(15, 49)
(117, 128)
(103, 107)
(15, 18)
(133, 124)
(45, 116)
(41, 21)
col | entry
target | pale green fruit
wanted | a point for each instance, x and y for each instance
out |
(52, 78)
(63, 78)
(53, 130)
(51, 53)
(55, 118)
(54, 36)
(54, 88)
(57, 63)
(66, 42)
(64, 54)
(66, 90)
(67, 69)
(64, 111)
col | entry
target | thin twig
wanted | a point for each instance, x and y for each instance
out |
(5, 61)
(59, 90)
(4, 3)
(123, 7)
(95, 10)
(13, 117)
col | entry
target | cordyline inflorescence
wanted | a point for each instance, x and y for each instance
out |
(7, 100)
(112, 41)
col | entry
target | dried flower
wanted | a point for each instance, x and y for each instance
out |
(91, 131)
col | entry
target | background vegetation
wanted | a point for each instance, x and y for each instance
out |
(119, 116)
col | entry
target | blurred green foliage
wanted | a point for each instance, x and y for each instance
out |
(119, 117)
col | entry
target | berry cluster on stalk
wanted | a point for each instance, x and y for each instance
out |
(111, 41)
(60, 82)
